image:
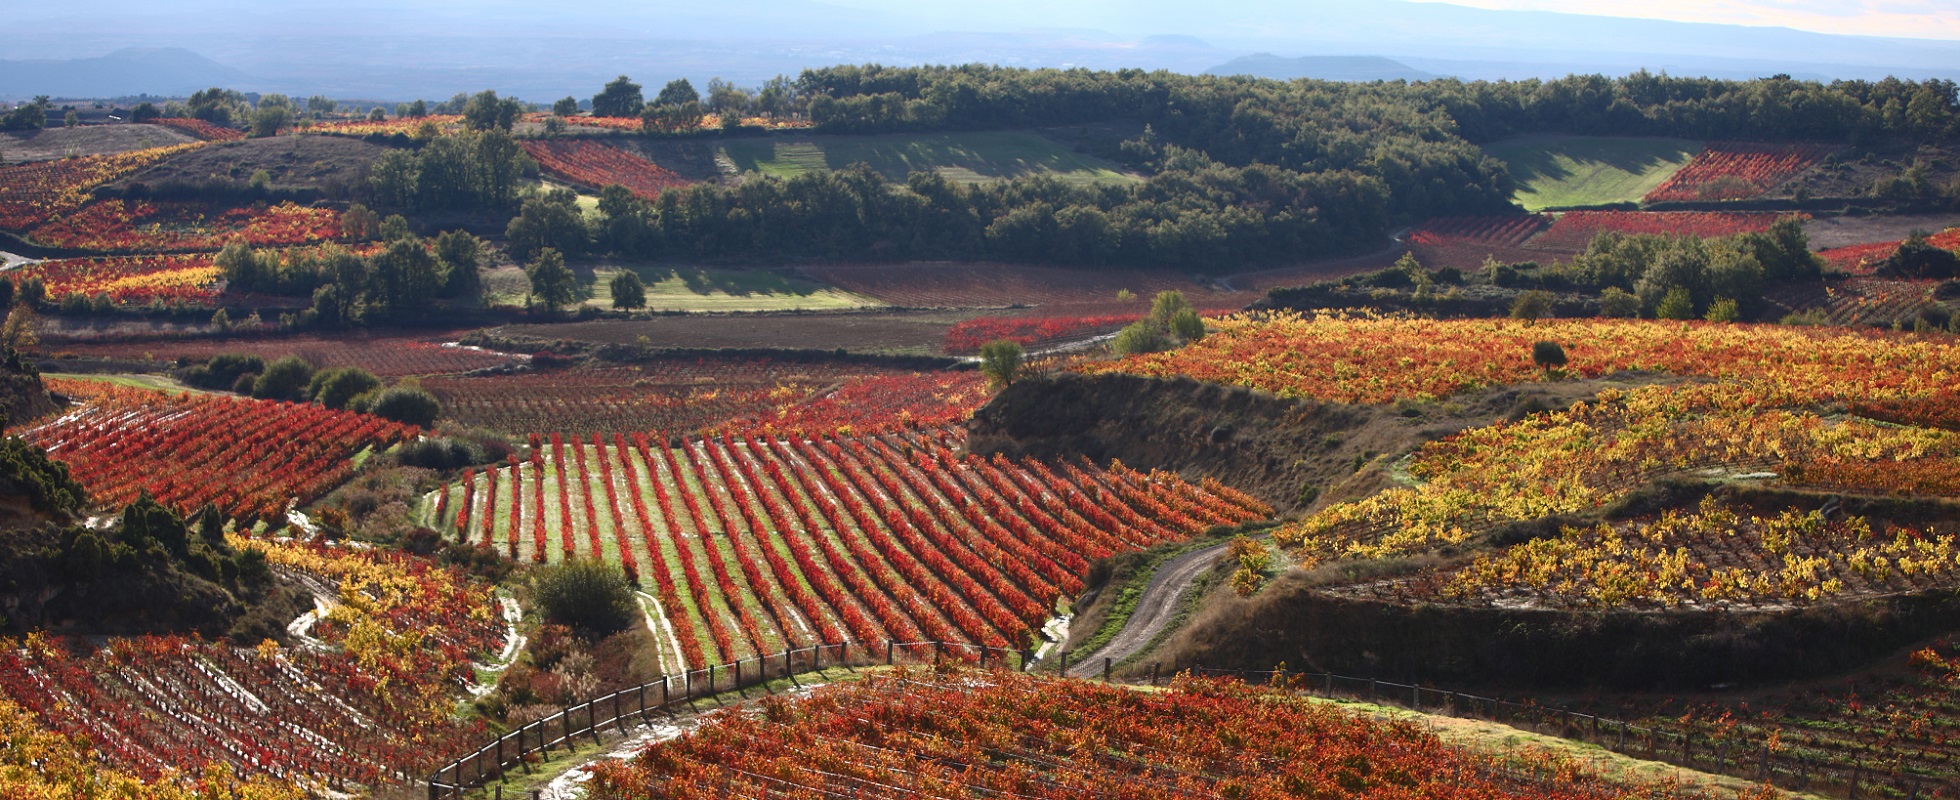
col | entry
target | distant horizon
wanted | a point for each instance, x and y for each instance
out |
(1907, 19)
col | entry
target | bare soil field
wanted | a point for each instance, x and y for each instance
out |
(387, 355)
(291, 162)
(910, 333)
(1844, 231)
(52, 143)
(970, 285)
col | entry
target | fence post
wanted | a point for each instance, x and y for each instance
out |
(1415, 697)
(1027, 657)
(1153, 673)
(1064, 672)
(617, 722)
(711, 683)
(1107, 663)
(738, 678)
(938, 652)
(643, 700)
(888, 652)
(1330, 684)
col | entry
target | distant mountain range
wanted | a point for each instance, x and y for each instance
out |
(434, 48)
(1326, 68)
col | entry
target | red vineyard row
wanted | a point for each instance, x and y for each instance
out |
(1575, 229)
(753, 543)
(1737, 171)
(598, 164)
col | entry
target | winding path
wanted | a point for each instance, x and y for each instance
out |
(1154, 610)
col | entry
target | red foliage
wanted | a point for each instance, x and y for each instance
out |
(1503, 231)
(140, 226)
(249, 458)
(201, 129)
(1737, 171)
(1861, 259)
(596, 164)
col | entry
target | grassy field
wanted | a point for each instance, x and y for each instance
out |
(691, 289)
(969, 157)
(160, 383)
(1560, 171)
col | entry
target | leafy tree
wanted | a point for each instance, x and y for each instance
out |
(145, 111)
(395, 227)
(409, 405)
(1168, 304)
(727, 99)
(1531, 306)
(26, 469)
(268, 120)
(628, 291)
(566, 107)
(677, 92)
(1141, 336)
(620, 98)
(417, 109)
(589, 596)
(1187, 326)
(551, 221)
(337, 387)
(552, 283)
(462, 257)
(320, 105)
(1000, 361)
(1618, 303)
(377, 114)
(218, 107)
(1547, 355)
(404, 277)
(672, 118)
(285, 379)
(1676, 304)
(486, 111)
(25, 117)
(1723, 310)
(71, 119)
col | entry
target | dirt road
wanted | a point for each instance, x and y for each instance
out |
(1153, 612)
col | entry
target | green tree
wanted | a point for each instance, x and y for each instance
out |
(566, 107)
(1000, 361)
(268, 120)
(145, 111)
(1531, 306)
(336, 387)
(592, 597)
(71, 119)
(404, 277)
(1676, 304)
(672, 118)
(1141, 336)
(628, 291)
(1723, 310)
(1618, 303)
(552, 283)
(285, 379)
(551, 221)
(486, 111)
(462, 257)
(677, 92)
(1168, 304)
(620, 98)
(377, 114)
(409, 405)
(1547, 355)
(1187, 326)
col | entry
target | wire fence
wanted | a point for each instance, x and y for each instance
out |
(1756, 761)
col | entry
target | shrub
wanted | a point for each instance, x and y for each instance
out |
(589, 596)
(1676, 304)
(285, 379)
(405, 404)
(440, 454)
(1187, 326)
(335, 388)
(1531, 305)
(223, 371)
(1723, 310)
(1547, 355)
(1000, 361)
(1141, 336)
(1619, 303)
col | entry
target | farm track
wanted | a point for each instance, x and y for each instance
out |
(1154, 609)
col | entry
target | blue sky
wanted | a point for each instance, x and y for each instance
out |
(1916, 19)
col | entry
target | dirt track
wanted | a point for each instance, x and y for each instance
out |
(1154, 609)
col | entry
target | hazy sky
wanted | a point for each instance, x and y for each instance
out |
(1917, 19)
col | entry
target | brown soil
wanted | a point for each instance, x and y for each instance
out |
(1844, 231)
(292, 162)
(913, 333)
(53, 143)
(987, 285)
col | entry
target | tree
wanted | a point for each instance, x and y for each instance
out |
(71, 119)
(1677, 304)
(727, 99)
(1723, 310)
(26, 117)
(285, 379)
(587, 595)
(620, 98)
(1187, 326)
(320, 105)
(552, 283)
(1000, 361)
(1531, 305)
(22, 329)
(377, 114)
(628, 291)
(1618, 303)
(1547, 355)
(145, 111)
(486, 111)
(677, 92)
(566, 107)
(548, 221)
(409, 405)
(1141, 336)
(462, 257)
(672, 118)
(1167, 304)
(268, 120)
(335, 388)
(404, 277)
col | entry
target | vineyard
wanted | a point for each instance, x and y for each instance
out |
(371, 705)
(959, 734)
(245, 457)
(1004, 285)
(1712, 556)
(399, 126)
(596, 164)
(1507, 231)
(387, 356)
(1575, 229)
(753, 544)
(1373, 360)
(692, 394)
(1737, 171)
(131, 280)
(1858, 301)
(136, 226)
(201, 129)
(32, 194)
(1861, 259)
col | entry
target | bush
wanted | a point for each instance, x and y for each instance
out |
(1187, 326)
(285, 379)
(404, 404)
(1723, 310)
(1677, 304)
(1141, 336)
(1531, 305)
(1547, 355)
(1000, 361)
(589, 596)
(1618, 303)
(335, 388)
(222, 371)
(439, 454)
